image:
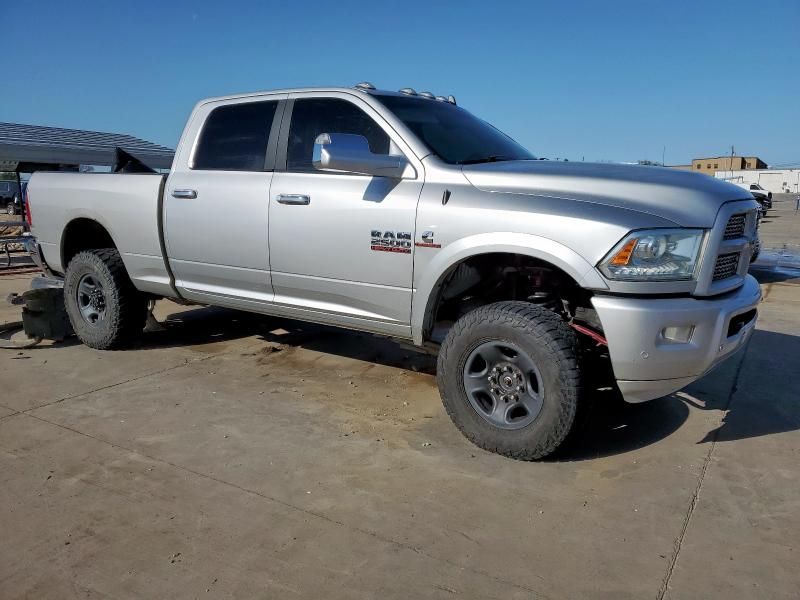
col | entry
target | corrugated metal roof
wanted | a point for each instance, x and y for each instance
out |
(54, 145)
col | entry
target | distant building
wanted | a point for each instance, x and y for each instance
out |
(709, 166)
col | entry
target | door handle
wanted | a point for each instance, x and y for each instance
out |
(184, 194)
(299, 199)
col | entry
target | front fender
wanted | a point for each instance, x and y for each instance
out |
(545, 249)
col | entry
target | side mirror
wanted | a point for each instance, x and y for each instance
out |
(350, 153)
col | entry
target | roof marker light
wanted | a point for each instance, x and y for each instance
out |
(451, 99)
(409, 91)
(426, 95)
(365, 85)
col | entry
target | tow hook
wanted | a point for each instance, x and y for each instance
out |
(597, 337)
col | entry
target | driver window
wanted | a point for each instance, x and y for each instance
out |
(312, 116)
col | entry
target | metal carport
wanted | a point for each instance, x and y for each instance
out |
(29, 148)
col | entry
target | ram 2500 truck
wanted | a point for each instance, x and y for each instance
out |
(404, 215)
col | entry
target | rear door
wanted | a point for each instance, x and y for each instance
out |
(217, 202)
(342, 244)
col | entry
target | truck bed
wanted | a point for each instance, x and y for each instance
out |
(129, 206)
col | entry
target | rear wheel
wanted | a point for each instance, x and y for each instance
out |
(509, 378)
(105, 309)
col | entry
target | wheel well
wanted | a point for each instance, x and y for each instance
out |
(494, 277)
(83, 234)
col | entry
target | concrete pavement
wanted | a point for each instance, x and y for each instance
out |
(242, 456)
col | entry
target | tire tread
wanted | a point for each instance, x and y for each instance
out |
(127, 323)
(555, 336)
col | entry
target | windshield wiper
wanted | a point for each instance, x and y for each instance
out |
(486, 159)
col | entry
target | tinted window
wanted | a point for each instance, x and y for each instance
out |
(313, 116)
(234, 137)
(452, 133)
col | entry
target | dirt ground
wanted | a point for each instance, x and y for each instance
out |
(237, 456)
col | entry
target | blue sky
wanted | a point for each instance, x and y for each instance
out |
(595, 80)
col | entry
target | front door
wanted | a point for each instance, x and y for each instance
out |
(216, 217)
(341, 245)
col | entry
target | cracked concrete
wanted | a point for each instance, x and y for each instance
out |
(235, 456)
(662, 592)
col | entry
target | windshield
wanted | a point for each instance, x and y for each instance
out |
(453, 134)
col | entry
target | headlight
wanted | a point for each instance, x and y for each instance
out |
(655, 255)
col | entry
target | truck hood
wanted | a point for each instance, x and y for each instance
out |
(687, 199)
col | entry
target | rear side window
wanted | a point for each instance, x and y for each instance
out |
(235, 137)
(313, 116)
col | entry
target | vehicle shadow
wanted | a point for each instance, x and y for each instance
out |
(208, 325)
(774, 273)
(760, 398)
(766, 393)
(614, 426)
(201, 326)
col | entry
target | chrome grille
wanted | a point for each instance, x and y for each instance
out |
(726, 265)
(736, 227)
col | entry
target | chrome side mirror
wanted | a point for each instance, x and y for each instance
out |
(350, 153)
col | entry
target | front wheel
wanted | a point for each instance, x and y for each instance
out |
(509, 378)
(105, 309)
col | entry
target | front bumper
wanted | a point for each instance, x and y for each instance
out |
(647, 364)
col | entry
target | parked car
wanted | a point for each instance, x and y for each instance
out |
(404, 215)
(762, 196)
(10, 197)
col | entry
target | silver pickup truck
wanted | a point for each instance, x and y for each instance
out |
(402, 214)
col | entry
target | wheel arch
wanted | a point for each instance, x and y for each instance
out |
(549, 252)
(84, 233)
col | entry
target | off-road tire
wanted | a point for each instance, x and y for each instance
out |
(550, 343)
(126, 307)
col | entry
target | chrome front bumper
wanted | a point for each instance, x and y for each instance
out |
(647, 364)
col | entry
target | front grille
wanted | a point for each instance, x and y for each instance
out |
(726, 266)
(735, 227)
